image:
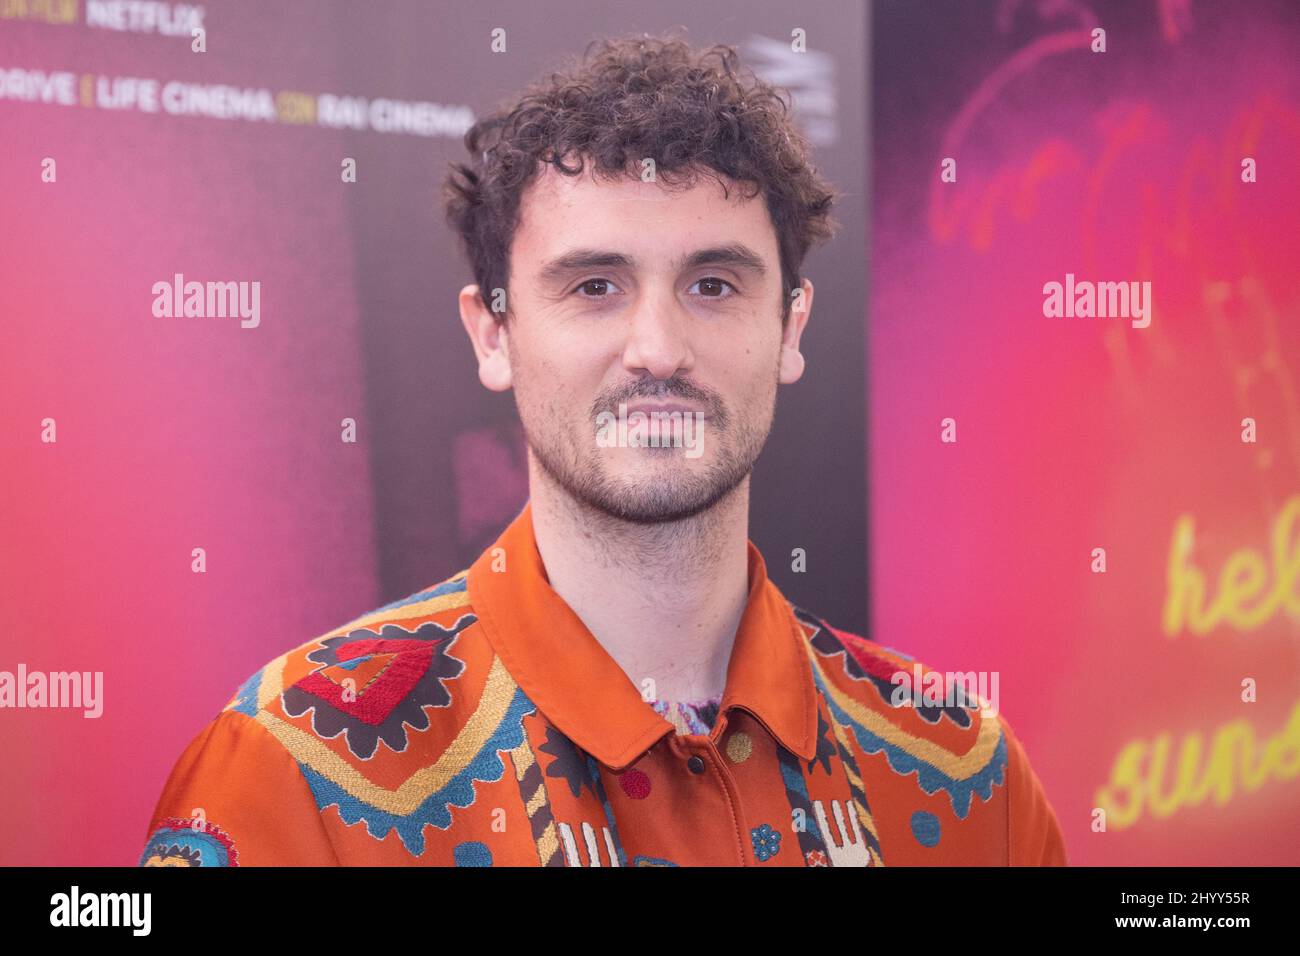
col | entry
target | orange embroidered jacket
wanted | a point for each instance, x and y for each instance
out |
(479, 723)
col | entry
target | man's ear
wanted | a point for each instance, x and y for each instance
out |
(488, 336)
(791, 367)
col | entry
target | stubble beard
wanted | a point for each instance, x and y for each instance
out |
(671, 492)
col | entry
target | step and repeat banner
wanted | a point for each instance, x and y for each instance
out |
(1084, 346)
(183, 498)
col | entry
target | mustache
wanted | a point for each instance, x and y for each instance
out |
(668, 388)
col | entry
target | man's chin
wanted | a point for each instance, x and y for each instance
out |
(646, 500)
(655, 510)
(646, 485)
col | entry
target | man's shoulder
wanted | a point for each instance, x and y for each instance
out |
(943, 727)
(860, 658)
(900, 703)
(384, 654)
(359, 709)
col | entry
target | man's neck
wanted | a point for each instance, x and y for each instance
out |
(663, 600)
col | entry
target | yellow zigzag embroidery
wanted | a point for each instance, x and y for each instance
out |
(312, 751)
(956, 766)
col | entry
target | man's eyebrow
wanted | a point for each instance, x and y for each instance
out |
(578, 259)
(734, 254)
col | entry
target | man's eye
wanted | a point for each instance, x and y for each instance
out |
(595, 288)
(711, 283)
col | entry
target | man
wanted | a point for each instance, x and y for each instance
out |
(616, 681)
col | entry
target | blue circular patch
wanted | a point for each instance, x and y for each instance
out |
(472, 853)
(925, 827)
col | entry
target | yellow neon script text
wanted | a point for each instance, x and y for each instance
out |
(1243, 578)
(1137, 779)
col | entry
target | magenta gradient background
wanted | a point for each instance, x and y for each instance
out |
(172, 434)
(1083, 433)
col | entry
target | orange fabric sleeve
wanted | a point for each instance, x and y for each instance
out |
(236, 797)
(1034, 835)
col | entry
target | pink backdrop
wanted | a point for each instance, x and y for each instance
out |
(172, 434)
(1083, 433)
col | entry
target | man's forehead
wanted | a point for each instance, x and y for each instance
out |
(555, 204)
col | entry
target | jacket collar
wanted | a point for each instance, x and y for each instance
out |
(584, 692)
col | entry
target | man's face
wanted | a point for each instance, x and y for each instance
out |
(665, 300)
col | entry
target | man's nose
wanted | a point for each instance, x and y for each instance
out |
(658, 339)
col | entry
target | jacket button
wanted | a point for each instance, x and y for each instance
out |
(696, 763)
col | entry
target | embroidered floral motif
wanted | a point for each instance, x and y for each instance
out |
(767, 842)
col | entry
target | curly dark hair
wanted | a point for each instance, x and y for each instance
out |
(640, 97)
